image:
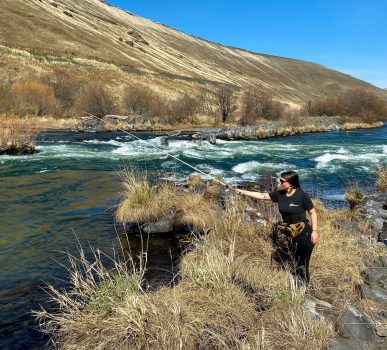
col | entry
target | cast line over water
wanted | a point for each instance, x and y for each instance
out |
(170, 155)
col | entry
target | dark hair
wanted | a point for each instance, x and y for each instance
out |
(292, 178)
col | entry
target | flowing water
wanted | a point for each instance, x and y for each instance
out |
(67, 193)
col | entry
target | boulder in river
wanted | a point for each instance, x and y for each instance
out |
(164, 225)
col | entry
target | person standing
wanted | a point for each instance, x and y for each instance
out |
(293, 203)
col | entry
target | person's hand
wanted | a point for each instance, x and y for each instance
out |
(314, 237)
(237, 190)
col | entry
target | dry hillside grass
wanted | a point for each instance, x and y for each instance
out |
(229, 295)
(67, 32)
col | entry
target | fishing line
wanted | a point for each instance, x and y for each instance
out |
(161, 149)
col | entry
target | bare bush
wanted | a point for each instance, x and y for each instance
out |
(33, 97)
(328, 107)
(65, 89)
(257, 104)
(93, 99)
(363, 104)
(225, 102)
(141, 100)
(184, 108)
(356, 103)
(5, 97)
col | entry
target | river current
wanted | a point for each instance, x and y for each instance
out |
(67, 193)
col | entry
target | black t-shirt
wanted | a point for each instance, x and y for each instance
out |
(293, 208)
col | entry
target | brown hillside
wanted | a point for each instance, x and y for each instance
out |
(92, 29)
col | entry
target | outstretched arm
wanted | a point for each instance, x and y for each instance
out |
(256, 195)
(313, 217)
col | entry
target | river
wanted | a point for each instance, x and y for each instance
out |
(68, 191)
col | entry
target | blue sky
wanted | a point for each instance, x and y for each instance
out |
(346, 35)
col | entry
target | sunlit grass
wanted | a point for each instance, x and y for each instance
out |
(229, 296)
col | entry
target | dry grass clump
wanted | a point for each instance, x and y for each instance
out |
(381, 182)
(17, 135)
(194, 210)
(338, 260)
(229, 295)
(143, 202)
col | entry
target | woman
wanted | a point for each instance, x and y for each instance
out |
(293, 203)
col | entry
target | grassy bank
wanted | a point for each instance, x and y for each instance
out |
(17, 135)
(229, 295)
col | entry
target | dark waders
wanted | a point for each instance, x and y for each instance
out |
(294, 254)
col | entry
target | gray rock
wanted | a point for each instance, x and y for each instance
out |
(164, 225)
(381, 197)
(357, 325)
(373, 211)
(339, 343)
(382, 236)
(381, 330)
(376, 275)
(311, 305)
(380, 293)
(383, 260)
(321, 304)
(309, 308)
(375, 293)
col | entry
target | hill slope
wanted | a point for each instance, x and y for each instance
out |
(95, 30)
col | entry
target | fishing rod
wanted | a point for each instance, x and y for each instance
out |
(159, 148)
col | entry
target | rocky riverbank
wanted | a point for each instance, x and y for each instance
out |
(356, 328)
(227, 292)
(228, 132)
(280, 128)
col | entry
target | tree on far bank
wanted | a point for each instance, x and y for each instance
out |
(225, 102)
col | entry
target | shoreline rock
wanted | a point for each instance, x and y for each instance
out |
(17, 150)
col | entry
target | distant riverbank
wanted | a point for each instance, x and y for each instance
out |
(265, 129)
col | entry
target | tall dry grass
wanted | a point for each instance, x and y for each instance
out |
(17, 134)
(33, 97)
(381, 181)
(143, 202)
(229, 295)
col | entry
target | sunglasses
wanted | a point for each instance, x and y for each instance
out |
(283, 181)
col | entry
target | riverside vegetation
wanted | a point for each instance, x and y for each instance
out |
(227, 295)
(60, 101)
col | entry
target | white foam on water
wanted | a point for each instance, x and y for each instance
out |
(223, 142)
(342, 150)
(179, 144)
(210, 169)
(174, 178)
(169, 164)
(334, 197)
(248, 166)
(98, 142)
(193, 153)
(250, 176)
(62, 151)
(385, 149)
(328, 157)
(139, 152)
(254, 166)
